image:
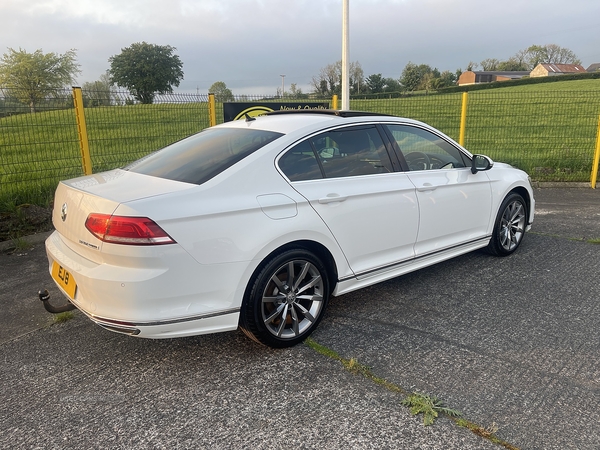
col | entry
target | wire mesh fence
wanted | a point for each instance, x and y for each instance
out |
(121, 134)
(37, 149)
(38, 146)
(550, 134)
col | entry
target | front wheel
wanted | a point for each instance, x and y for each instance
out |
(286, 299)
(509, 228)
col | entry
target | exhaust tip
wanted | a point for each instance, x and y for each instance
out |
(121, 330)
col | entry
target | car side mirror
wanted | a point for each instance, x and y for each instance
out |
(481, 162)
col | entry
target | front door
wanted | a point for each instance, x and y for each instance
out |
(454, 204)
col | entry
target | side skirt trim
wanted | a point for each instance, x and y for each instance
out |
(481, 242)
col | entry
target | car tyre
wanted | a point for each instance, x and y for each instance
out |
(509, 228)
(280, 310)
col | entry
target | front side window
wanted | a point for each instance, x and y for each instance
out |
(202, 156)
(424, 150)
(338, 153)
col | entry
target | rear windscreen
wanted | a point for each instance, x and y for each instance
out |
(202, 156)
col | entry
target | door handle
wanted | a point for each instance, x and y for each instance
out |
(331, 198)
(427, 187)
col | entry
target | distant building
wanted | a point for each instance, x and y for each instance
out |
(593, 68)
(476, 77)
(549, 70)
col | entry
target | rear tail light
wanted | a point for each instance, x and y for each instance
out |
(127, 230)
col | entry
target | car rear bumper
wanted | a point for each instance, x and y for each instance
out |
(157, 293)
(190, 326)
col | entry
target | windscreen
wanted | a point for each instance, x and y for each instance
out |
(202, 156)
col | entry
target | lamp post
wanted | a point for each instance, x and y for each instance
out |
(345, 57)
(282, 85)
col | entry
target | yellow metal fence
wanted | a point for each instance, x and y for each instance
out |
(553, 135)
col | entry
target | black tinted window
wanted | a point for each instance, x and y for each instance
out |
(202, 156)
(351, 152)
(424, 150)
(300, 163)
(346, 152)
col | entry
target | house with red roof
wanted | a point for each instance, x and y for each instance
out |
(549, 70)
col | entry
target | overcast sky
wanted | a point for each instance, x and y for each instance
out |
(248, 44)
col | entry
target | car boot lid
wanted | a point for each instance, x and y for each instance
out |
(102, 193)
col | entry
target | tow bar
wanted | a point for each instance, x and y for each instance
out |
(45, 298)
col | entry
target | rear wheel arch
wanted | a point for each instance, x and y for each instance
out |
(279, 309)
(318, 249)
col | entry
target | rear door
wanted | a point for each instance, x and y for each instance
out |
(348, 177)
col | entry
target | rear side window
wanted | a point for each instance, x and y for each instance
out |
(203, 156)
(347, 152)
(300, 163)
(352, 152)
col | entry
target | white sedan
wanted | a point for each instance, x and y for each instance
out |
(257, 223)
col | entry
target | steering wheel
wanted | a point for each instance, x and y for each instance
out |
(417, 161)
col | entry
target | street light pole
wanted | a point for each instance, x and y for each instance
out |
(282, 85)
(345, 57)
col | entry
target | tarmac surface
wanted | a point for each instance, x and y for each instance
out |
(512, 343)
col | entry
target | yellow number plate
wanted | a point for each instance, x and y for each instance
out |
(64, 279)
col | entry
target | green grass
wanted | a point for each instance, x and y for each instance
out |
(37, 150)
(21, 245)
(547, 129)
(548, 132)
(430, 406)
(572, 85)
(63, 317)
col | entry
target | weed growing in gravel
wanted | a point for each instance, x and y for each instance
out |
(63, 317)
(428, 405)
(21, 244)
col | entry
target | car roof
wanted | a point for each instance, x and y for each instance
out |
(287, 121)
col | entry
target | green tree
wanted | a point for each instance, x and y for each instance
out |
(550, 54)
(33, 76)
(471, 66)
(375, 83)
(512, 64)
(222, 93)
(329, 80)
(99, 92)
(447, 79)
(489, 64)
(391, 85)
(295, 92)
(414, 77)
(146, 69)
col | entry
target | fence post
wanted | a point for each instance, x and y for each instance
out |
(463, 119)
(334, 101)
(596, 158)
(212, 110)
(86, 161)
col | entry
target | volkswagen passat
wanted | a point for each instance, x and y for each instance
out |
(257, 223)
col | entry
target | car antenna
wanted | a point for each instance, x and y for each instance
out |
(248, 118)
